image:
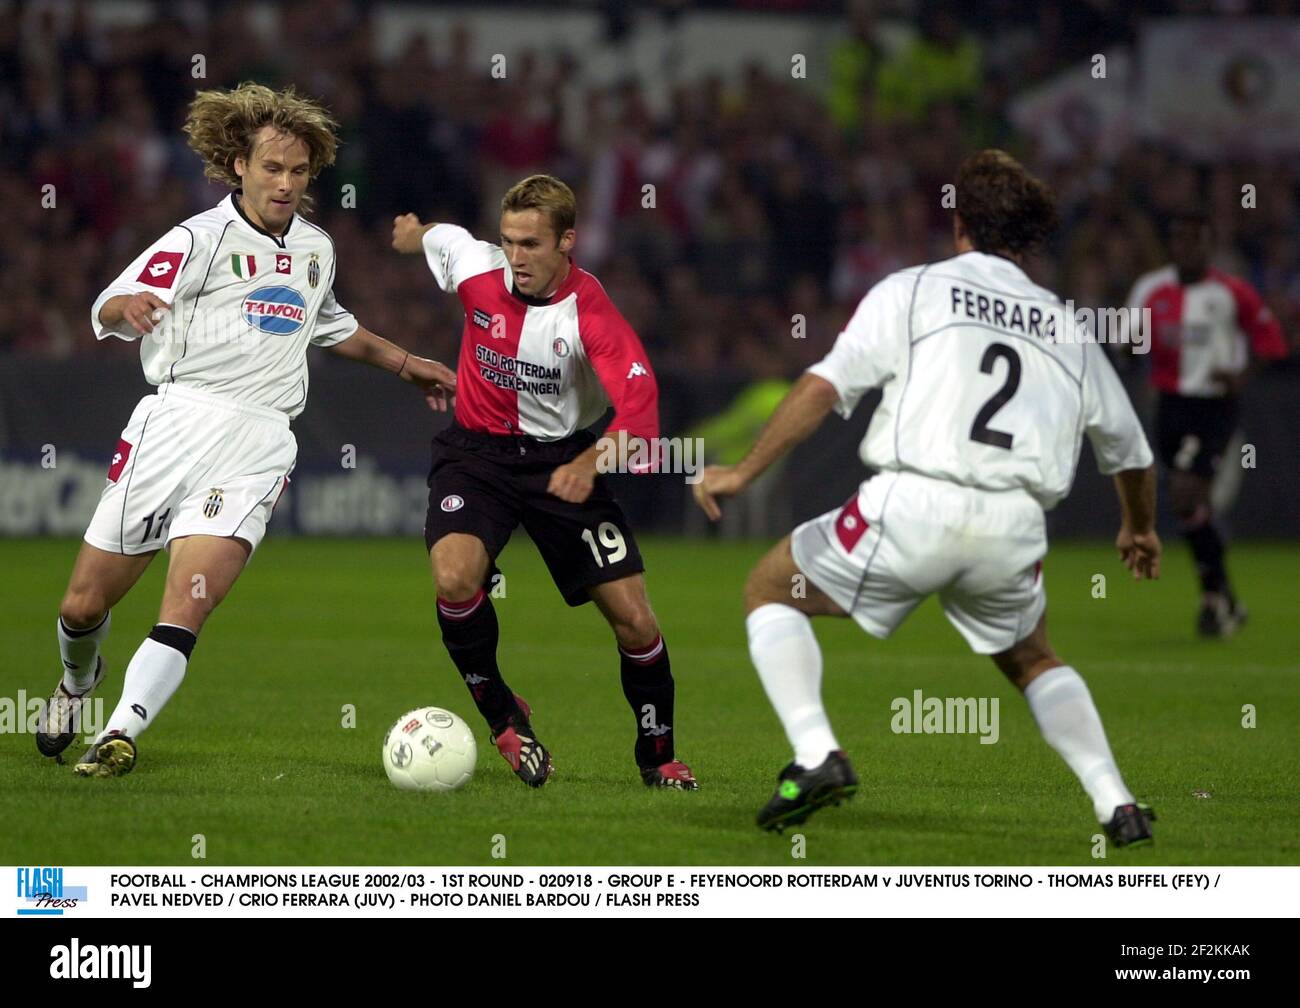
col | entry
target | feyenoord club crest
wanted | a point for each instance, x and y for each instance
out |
(243, 265)
(212, 506)
(560, 347)
(313, 270)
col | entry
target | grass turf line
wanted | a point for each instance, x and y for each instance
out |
(252, 754)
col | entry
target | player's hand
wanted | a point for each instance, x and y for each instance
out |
(572, 482)
(143, 310)
(408, 233)
(717, 481)
(1140, 552)
(1232, 381)
(437, 381)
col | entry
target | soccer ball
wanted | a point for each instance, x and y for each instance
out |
(429, 749)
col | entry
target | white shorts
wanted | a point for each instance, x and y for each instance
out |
(190, 463)
(904, 537)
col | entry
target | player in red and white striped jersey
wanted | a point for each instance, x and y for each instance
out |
(1209, 330)
(544, 354)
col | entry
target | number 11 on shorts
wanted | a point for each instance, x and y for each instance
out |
(611, 538)
(150, 530)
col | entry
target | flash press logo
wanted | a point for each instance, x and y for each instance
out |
(75, 961)
(41, 893)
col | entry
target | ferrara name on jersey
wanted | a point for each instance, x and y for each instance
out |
(243, 305)
(986, 380)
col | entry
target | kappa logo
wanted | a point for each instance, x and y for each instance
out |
(453, 502)
(637, 370)
(474, 679)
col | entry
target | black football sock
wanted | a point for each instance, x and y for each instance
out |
(648, 685)
(1207, 551)
(470, 633)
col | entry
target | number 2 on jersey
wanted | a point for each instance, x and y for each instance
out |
(980, 430)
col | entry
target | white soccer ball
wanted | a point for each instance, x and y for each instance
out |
(430, 749)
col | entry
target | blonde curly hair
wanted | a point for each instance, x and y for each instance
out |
(221, 126)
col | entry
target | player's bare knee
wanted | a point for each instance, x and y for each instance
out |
(637, 628)
(457, 582)
(82, 609)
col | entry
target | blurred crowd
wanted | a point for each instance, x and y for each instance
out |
(777, 202)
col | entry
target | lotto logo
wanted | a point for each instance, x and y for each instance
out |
(161, 269)
(120, 458)
(850, 526)
(284, 264)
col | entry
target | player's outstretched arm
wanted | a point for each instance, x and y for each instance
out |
(437, 381)
(799, 414)
(141, 310)
(1138, 544)
(408, 234)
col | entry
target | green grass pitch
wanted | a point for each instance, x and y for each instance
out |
(252, 753)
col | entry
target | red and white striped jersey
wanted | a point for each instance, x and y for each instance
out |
(547, 369)
(1217, 323)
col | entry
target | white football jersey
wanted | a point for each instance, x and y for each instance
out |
(244, 305)
(986, 381)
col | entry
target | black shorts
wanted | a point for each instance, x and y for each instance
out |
(485, 485)
(1193, 432)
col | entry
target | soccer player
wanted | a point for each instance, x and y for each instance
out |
(225, 306)
(543, 355)
(988, 389)
(1209, 330)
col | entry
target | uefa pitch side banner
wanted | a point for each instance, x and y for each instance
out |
(250, 892)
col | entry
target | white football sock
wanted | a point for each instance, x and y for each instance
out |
(79, 651)
(155, 673)
(1068, 719)
(789, 662)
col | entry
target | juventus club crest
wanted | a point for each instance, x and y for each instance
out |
(313, 270)
(212, 506)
